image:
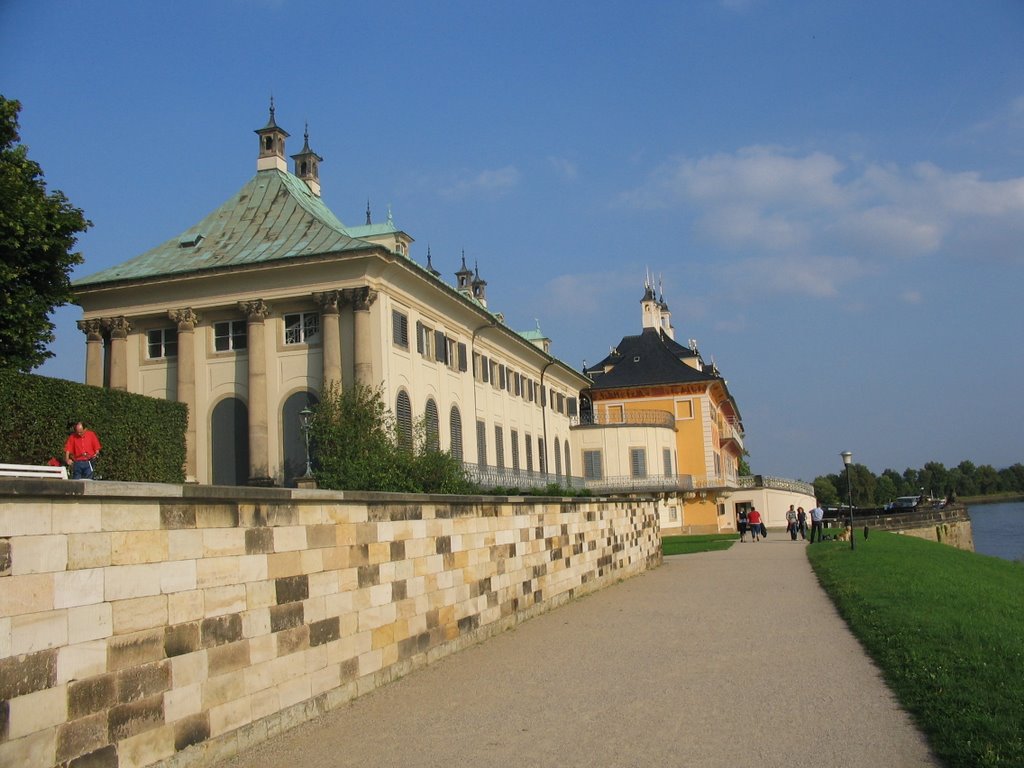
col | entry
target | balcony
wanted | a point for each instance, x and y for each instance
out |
(631, 418)
(776, 483)
(729, 432)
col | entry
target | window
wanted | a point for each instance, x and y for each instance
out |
(517, 381)
(561, 403)
(425, 340)
(485, 368)
(433, 436)
(462, 357)
(542, 459)
(229, 335)
(558, 458)
(494, 374)
(163, 342)
(451, 358)
(592, 465)
(666, 456)
(638, 462)
(568, 466)
(403, 419)
(572, 406)
(673, 513)
(455, 425)
(399, 329)
(515, 450)
(302, 328)
(529, 452)
(481, 443)
(499, 447)
(503, 371)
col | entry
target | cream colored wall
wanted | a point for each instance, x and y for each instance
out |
(771, 503)
(615, 442)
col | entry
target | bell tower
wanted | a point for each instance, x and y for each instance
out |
(271, 145)
(307, 166)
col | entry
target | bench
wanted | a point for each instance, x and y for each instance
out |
(33, 470)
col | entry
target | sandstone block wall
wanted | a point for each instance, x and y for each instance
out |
(164, 624)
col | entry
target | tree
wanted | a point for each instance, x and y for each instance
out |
(37, 232)
(825, 491)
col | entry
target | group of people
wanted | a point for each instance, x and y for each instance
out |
(796, 523)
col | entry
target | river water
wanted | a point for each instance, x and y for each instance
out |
(999, 529)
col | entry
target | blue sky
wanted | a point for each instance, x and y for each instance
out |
(832, 193)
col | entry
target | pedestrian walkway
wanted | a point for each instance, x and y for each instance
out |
(721, 659)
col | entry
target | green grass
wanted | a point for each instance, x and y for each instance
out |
(685, 545)
(946, 627)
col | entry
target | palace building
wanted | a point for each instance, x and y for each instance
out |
(251, 313)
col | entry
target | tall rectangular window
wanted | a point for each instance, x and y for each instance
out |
(301, 328)
(638, 462)
(162, 342)
(481, 443)
(666, 456)
(499, 447)
(515, 449)
(425, 340)
(399, 329)
(529, 452)
(542, 458)
(463, 361)
(230, 335)
(592, 465)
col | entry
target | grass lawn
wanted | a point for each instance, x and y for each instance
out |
(947, 629)
(685, 545)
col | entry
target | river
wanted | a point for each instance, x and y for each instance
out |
(999, 529)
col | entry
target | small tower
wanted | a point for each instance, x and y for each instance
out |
(430, 266)
(463, 278)
(271, 145)
(650, 306)
(307, 165)
(666, 315)
(479, 287)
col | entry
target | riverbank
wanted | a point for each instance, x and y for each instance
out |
(993, 498)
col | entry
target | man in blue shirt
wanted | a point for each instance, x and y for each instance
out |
(817, 515)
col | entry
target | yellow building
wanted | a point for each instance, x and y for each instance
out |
(249, 314)
(650, 378)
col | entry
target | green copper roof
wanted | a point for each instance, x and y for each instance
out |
(274, 216)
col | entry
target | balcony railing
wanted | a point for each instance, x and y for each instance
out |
(506, 477)
(776, 483)
(649, 418)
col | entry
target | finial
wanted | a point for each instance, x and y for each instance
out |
(476, 268)
(391, 219)
(368, 220)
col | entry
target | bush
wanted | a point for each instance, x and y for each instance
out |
(143, 438)
(356, 447)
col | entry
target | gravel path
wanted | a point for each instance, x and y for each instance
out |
(728, 659)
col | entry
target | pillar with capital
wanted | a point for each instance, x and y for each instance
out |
(259, 442)
(118, 328)
(330, 304)
(362, 300)
(93, 330)
(186, 321)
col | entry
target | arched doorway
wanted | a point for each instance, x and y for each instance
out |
(229, 442)
(294, 442)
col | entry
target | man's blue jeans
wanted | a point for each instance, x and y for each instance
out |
(82, 470)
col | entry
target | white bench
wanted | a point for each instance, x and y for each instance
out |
(32, 470)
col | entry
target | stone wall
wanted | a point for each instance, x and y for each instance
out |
(950, 525)
(144, 624)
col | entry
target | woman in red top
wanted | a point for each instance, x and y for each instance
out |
(754, 518)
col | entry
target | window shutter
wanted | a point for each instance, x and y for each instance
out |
(572, 406)
(455, 425)
(462, 357)
(419, 337)
(638, 462)
(440, 347)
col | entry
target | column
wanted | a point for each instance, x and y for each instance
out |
(330, 326)
(362, 299)
(118, 328)
(186, 320)
(93, 330)
(259, 445)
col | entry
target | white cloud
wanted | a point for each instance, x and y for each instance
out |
(564, 167)
(495, 181)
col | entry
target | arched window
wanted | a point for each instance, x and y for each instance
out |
(229, 438)
(294, 441)
(558, 457)
(433, 435)
(403, 419)
(568, 466)
(455, 426)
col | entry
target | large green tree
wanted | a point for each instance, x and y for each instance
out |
(38, 230)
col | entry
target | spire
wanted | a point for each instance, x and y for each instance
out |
(430, 265)
(479, 285)
(307, 165)
(368, 219)
(463, 276)
(272, 138)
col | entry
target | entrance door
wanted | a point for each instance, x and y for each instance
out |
(229, 437)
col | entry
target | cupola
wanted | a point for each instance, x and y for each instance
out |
(307, 165)
(271, 145)
(479, 287)
(464, 278)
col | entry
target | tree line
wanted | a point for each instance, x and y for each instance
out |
(933, 480)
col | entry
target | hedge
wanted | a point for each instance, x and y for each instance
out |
(143, 438)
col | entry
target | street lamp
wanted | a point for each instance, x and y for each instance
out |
(304, 420)
(847, 460)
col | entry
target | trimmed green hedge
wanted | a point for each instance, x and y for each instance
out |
(143, 438)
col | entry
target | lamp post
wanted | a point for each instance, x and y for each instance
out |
(304, 416)
(847, 460)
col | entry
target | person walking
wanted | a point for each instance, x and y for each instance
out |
(791, 522)
(801, 522)
(81, 448)
(754, 518)
(817, 516)
(741, 523)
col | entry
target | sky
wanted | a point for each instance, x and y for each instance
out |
(831, 195)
